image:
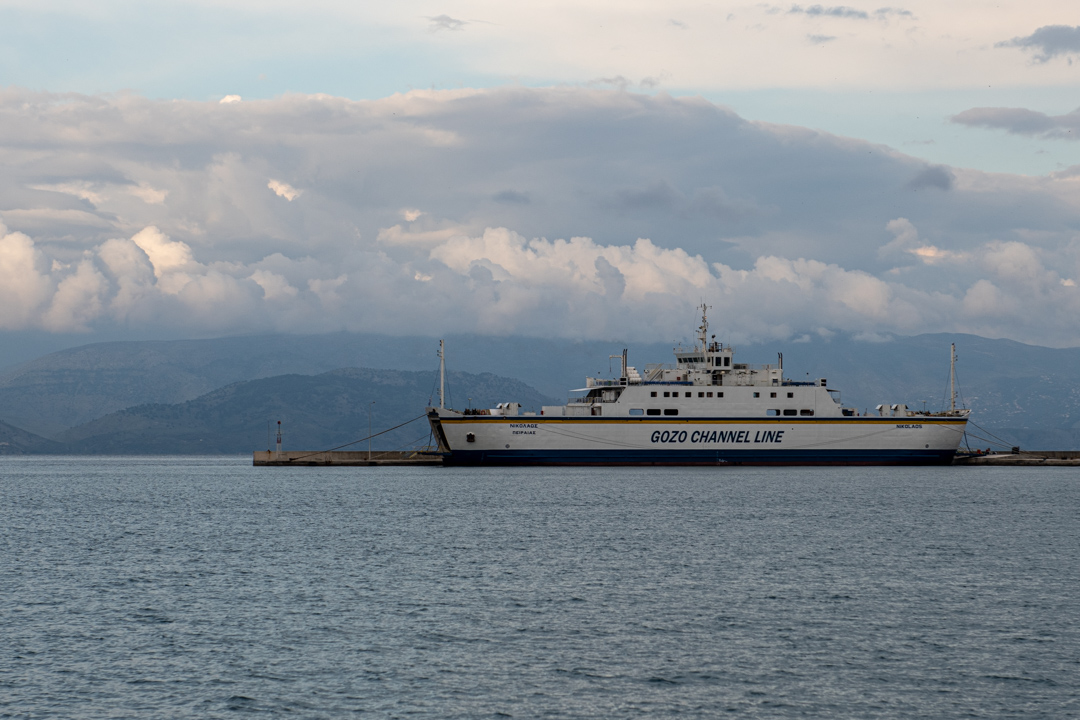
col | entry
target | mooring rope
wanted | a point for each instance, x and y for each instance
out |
(354, 442)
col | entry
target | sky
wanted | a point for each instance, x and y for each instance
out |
(584, 170)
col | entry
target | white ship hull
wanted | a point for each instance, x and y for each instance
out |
(539, 440)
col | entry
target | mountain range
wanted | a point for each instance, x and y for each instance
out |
(217, 395)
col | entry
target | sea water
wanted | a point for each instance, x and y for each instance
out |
(207, 588)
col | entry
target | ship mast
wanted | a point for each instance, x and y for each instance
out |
(952, 378)
(442, 375)
(703, 331)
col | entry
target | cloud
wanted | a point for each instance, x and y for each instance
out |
(101, 193)
(77, 301)
(1020, 121)
(836, 11)
(284, 190)
(886, 12)
(906, 240)
(230, 99)
(1049, 41)
(567, 212)
(445, 22)
(933, 176)
(820, 39)
(511, 197)
(660, 194)
(500, 281)
(24, 287)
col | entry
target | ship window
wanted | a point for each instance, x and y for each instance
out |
(709, 394)
(757, 394)
(727, 361)
(719, 394)
(652, 411)
(671, 411)
(701, 394)
(689, 394)
(772, 394)
(652, 394)
(637, 411)
(470, 437)
(667, 394)
(772, 412)
(790, 411)
(806, 412)
(791, 395)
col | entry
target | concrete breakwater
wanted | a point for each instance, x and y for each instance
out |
(302, 458)
(1045, 458)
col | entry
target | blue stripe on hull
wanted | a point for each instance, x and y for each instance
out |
(700, 457)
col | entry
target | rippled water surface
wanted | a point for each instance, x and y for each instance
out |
(204, 587)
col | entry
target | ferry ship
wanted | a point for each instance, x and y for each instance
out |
(705, 409)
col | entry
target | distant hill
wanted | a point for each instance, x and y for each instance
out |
(72, 387)
(317, 412)
(15, 441)
(1031, 392)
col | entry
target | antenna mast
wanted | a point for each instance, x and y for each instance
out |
(442, 375)
(952, 378)
(703, 331)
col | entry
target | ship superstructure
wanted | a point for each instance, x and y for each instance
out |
(705, 409)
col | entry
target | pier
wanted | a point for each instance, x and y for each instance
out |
(331, 458)
(301, 458)
(1041, 458)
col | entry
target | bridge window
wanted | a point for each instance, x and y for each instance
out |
(709, 394)
(652, 394)
(757, 394)
(689, 394)
(637, 411)
(671, 411)
(791, 411)
(719, 394)
(652, 411)
(806, 412)
(727, 361)
(772, 395)
(791, 395)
